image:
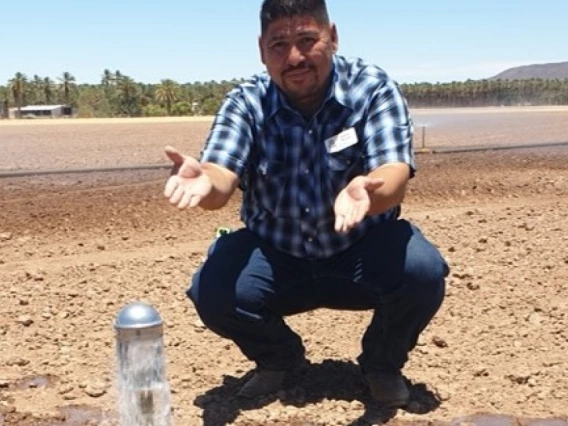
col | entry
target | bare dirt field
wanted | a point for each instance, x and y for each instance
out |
(77, 247)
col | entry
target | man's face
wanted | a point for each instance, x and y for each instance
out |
(298, 54)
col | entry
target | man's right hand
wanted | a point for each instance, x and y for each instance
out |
(188, 184)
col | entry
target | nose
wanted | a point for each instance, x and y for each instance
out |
(295, 57)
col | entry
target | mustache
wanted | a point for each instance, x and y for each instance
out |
(300, 67)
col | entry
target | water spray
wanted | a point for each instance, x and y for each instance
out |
(143, 389)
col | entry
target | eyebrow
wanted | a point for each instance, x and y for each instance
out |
(279, 37)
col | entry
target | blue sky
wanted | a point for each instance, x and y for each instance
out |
(188, 41)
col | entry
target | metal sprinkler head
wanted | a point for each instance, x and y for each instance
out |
(138, 321)
(143, 390)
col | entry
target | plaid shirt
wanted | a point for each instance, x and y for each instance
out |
(289, 178)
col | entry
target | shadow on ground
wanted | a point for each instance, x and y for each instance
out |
(333, 380)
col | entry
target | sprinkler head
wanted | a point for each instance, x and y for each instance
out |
(143, 390)
(138, 321)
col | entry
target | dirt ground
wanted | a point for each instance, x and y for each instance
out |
(76, 248)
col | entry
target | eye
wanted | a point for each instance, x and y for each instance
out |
(306, 43)
(278, 47)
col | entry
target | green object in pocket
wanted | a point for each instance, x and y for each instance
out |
(222, 230)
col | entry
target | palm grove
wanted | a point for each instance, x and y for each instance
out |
(118, 95)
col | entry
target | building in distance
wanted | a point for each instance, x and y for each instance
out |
(42, 111)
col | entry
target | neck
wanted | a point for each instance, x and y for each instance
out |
(309, 105)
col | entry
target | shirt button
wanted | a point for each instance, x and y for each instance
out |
(307, 171)
(310, 239)
(307, 210)
(310, 131)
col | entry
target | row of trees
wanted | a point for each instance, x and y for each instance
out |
(475, 93)
(21, 91)
(119, 95)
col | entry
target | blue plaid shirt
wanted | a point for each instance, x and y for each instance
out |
(289, 178)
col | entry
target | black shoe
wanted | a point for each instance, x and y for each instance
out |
(265, 382)
(388, 389)
(262, 383)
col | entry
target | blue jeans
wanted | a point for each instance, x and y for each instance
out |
(246, 287)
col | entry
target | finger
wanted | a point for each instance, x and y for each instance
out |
(350, 220)
(195, 200)
(171, 186)
(354, 217)
(358, 214)
(339, 223)
(174, 155)
(345, 224)
(177, 195)
(185, 200)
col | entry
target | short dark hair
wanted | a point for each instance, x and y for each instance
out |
(273, 10)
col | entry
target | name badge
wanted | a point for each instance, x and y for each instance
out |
(341, 141)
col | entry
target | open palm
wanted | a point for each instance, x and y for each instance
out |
(187, 185)
(354, 202)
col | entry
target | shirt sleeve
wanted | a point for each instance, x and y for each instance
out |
(388, 128)
(229, 141)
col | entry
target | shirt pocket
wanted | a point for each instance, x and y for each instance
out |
(342, 166)
(275, 193)
(346, 159)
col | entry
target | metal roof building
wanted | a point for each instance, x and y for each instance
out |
(43, 111)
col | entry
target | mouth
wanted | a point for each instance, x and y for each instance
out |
(298, 71)
(297, 74)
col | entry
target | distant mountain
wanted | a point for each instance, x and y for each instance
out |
(543, 71)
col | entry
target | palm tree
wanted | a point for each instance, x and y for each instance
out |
(4, 102)
(128, 93)
(48, 91)
(36, 89)
(67, 84)
(18, 88)
(167, 93)
(146, 94)
(107, 79)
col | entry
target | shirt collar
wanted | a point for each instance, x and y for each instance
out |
(340, 86)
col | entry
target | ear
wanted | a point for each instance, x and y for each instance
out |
(334, 37)
(261, 50)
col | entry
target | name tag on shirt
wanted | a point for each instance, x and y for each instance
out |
(341, 141)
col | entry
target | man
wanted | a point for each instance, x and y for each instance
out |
(321, 147)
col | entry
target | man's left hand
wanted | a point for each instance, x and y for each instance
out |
(354, 201)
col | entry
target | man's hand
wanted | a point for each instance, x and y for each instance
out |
(188, 184)
(353, 202)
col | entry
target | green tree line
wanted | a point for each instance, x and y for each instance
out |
(118, 95)
(478, 93)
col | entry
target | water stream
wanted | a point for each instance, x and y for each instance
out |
(143, 390)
